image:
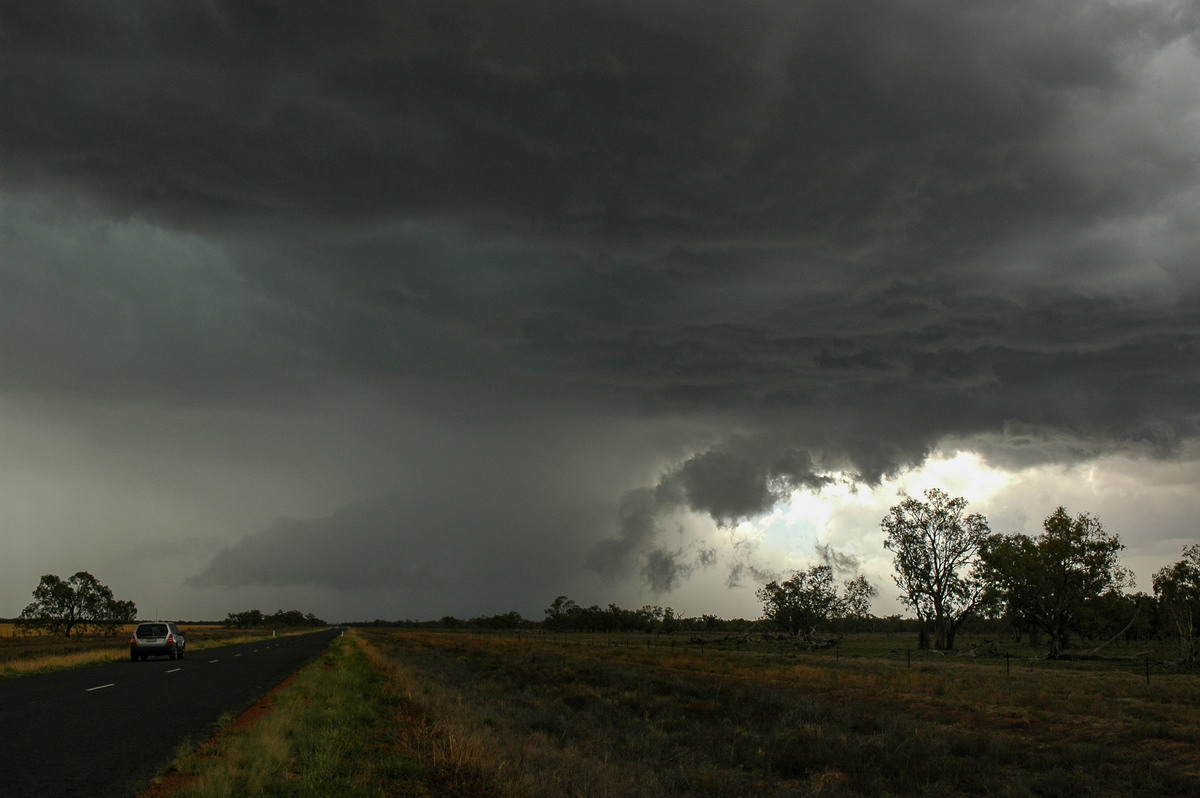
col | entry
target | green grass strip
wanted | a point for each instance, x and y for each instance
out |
(327, 732)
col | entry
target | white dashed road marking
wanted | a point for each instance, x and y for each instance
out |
(101, 687)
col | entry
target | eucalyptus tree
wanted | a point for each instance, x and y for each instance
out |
(810, 599)
(1048, 581)
(1177, 589)
(935, 545)
(80, 602)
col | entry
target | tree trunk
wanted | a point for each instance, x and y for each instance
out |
(1184, 625)
(1058, 642)
(939, 638)
(943, 628)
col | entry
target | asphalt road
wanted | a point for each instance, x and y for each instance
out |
(106, 730)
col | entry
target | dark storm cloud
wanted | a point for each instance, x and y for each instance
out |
(430, 553)
(664, 570)
(824, 236)
(840, 562)
(639, 121)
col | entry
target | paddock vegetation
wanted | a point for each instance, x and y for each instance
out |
(606, 716)
(542, 716)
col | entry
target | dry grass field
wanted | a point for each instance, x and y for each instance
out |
(539, 716)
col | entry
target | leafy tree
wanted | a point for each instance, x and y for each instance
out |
(80, 602)
(669, 620)
(856, 597)
(1115, 615)
(561, 614)
(935, 546)
(247, 619)
(1048, 581)
(1177, 588)
(809, 599)
(651, 616)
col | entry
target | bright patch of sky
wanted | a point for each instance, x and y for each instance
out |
(845, 517)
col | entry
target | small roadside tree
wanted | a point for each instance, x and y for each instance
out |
(1177, 589)
(936, 546)
(809, 599)
(1047, 581)
(79, 603)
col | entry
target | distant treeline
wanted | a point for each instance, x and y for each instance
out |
(1104, 619)
(280, 619)
(595, 619)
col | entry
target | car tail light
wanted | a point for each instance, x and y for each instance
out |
(133, 639)
(170, 638)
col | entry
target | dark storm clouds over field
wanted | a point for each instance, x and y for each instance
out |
(417, 308)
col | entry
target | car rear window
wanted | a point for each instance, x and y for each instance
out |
(152, 630)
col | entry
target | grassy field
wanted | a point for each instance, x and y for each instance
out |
(22, 654)
(422, 713)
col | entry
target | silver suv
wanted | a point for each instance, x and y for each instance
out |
(158, 639)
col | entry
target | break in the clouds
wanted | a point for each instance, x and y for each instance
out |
(342, 250)
(729, 485)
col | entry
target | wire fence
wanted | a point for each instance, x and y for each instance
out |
(1154, 661)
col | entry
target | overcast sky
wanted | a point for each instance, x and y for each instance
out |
(406, 309)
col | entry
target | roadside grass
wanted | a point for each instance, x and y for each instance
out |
(24, 654)
(328, 731)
